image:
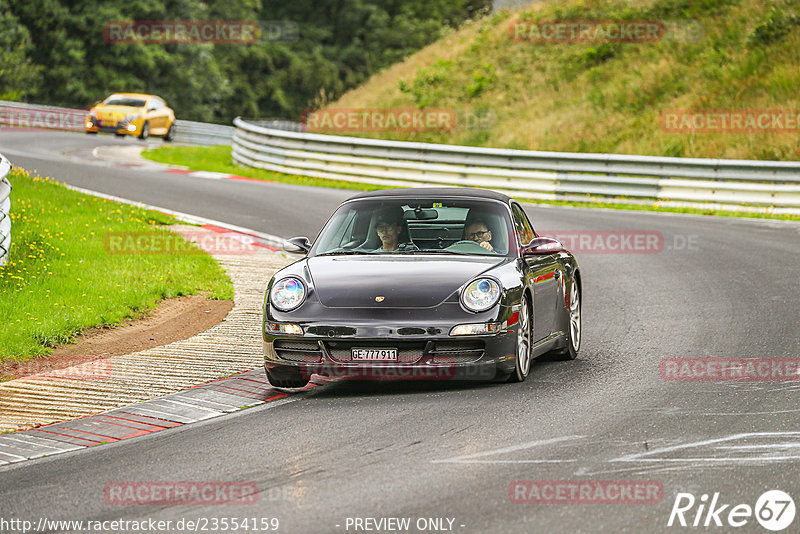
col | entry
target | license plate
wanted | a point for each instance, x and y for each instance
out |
(384, 355)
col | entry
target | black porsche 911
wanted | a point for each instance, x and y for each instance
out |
(440, 283)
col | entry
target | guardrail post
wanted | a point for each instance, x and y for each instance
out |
(5, 210)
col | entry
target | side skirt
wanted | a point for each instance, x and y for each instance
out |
(556, 340)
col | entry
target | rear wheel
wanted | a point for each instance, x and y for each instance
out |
(570, 352)
(145, 131)
(286, 378)
(523, 363)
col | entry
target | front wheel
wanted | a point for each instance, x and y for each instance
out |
(524, 336)
(170, 134)
(145, 131)
(286, 378)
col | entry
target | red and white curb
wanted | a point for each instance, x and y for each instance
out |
(199, 403)
(209, 175)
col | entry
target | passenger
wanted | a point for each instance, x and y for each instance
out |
(389, 225)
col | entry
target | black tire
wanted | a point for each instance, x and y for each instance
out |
(524, 359)
(286, 378)
(170, 134)
(117, 134)
(145, 131)
(570, 352)
(91, 133)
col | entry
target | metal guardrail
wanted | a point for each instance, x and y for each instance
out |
(710, 183)
(278, 124)
(19, 115)
(5, 210)
(203, 133)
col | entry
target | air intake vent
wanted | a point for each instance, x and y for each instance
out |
(457, 351)
(295, 350)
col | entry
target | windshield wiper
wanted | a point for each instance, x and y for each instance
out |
(345, 252)
(428, 251)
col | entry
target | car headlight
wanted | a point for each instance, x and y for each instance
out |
(481, 295)
(287, 294)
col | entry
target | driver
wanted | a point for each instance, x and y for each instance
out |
(477, 230)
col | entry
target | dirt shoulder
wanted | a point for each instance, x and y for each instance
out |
(173, 320)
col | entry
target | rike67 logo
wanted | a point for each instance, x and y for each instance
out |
(774, 510)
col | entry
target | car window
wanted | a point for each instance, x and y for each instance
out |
(453, 226)
(522, 225)
(119, 100)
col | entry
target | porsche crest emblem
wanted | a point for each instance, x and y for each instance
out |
(379, 298)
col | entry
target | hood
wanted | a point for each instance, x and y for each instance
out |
(120, 111)
(404, 281)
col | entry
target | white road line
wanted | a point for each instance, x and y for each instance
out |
(270, 239)
(453, 461)
(209, 175)
(728, 460)
(641, 457)
(763, 446)
(470, 458)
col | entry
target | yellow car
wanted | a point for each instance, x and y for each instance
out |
(132, 114)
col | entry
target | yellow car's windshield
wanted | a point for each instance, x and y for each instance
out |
(120, 100)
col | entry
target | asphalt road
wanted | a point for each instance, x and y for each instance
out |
(719, 287)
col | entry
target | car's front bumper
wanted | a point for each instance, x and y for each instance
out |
(119, 128)
(422, 354)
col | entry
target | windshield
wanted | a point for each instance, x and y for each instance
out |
(412, 226)
(119, 100)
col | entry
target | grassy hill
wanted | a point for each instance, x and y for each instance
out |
(728, 55)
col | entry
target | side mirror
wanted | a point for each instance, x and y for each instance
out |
(541, 246)
(297, 245)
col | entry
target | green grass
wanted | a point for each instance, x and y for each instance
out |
(218, 159)
(60, 278)
(605, 97)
